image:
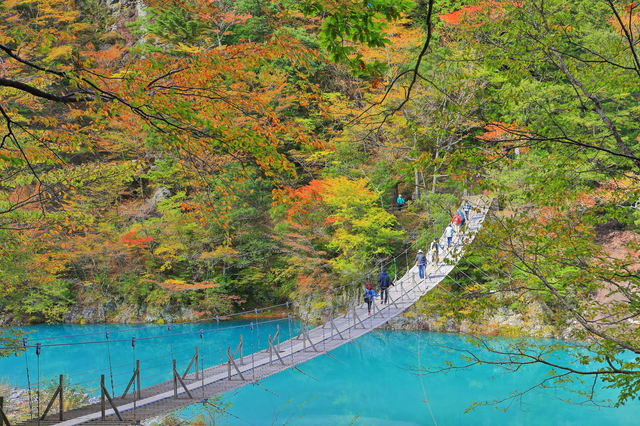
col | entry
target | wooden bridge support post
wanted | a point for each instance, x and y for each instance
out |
(376, 310)
(139, 389)
(176, 379)
(103, 405)
(230, 363)
(136, 377)
(239, 348)
(59, 393)
(194, 359)
(402, 289)
(356, 319)
(274, 349)
(3, 417)
(61, 405)
(334, 327)
(393, 301)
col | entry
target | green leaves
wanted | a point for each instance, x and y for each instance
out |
(349, 23)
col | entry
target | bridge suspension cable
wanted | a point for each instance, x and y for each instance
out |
(343, 300)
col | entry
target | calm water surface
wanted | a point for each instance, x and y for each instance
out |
(371, 381)
(85, 352)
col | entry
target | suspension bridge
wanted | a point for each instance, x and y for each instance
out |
(343, 321)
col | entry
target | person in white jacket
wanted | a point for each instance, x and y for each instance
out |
(448, 232)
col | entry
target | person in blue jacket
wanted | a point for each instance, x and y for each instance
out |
(384, 281)
(466, 209)
(369, 294)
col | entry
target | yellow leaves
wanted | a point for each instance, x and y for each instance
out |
(79, 27)
(5, 39)
(181, 285)
(220, 252)
(189, 49)
(170, 250)
(45, 120)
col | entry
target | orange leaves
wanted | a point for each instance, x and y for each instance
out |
(176, 285)
(185, 207)
(496, 132)
(469, 14)
(132, 239)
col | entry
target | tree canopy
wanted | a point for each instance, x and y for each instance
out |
(222, 154)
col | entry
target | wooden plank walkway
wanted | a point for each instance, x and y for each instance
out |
(164, 397)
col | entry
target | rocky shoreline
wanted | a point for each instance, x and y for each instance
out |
(504, 322)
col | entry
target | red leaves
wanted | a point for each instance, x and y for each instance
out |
(132, 239)
(469, 14)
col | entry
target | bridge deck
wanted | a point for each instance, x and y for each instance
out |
(163, 398)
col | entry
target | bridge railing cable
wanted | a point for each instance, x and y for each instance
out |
(257, 310)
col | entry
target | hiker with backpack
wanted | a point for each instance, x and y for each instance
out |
(435, 250)
(466, 209)
(369, 295)
(456, 220)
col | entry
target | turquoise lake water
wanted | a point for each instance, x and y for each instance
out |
(371, 381)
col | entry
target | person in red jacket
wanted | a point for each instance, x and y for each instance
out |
(369, 294)
(456, 220)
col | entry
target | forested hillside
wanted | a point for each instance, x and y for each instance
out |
(210, 155)
(226, 155)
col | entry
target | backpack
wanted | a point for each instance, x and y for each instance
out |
(463, 217)
(367, 295)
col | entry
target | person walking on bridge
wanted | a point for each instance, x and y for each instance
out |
(369, 295)
(384, 281)
(466, 209)
(421, 261)
(435, 250)
(448, 232)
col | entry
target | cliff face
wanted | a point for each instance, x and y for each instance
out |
(503, 322)
(616, 245)
(124, 11)
(112, 312)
